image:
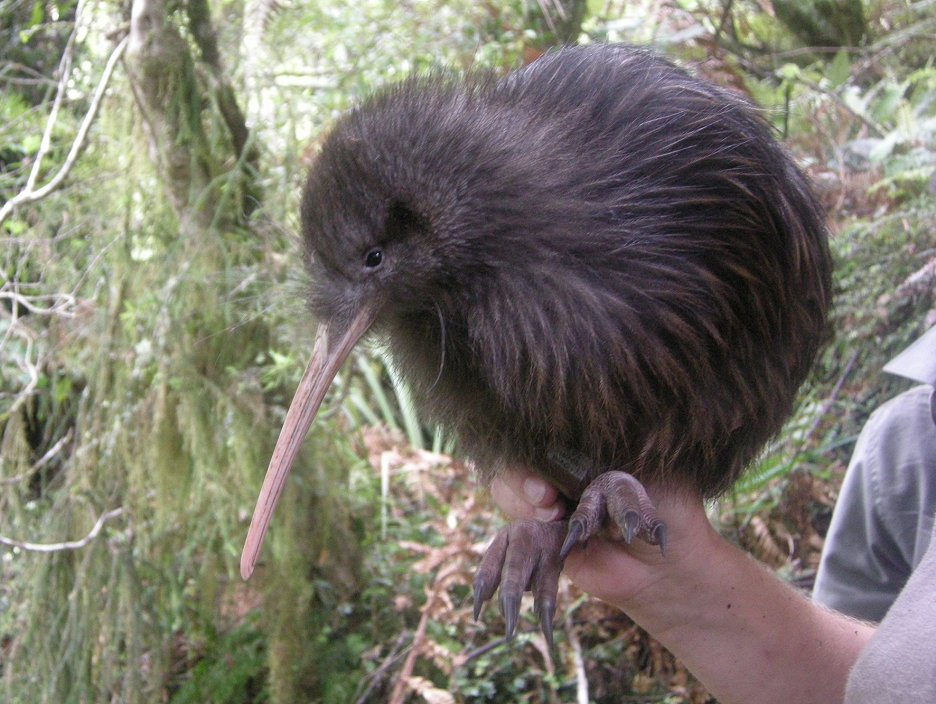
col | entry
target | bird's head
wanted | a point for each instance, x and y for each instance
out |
(373, 239)
(379, 242)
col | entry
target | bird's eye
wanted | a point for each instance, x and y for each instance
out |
(373, 258)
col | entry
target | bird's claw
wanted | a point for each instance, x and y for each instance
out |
(616, 499)
(528, 555)
(523, 556)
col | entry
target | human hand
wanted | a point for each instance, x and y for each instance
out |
(740, 630)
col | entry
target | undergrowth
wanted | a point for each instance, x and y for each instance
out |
(144, 375)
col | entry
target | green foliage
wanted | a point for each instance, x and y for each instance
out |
(874, 318)
(147, 365)
(165, 378)
(231, 672)
(880, 135)
(825, 22)
(376, 394)
(32, 34)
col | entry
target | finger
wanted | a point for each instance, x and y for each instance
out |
(531, 488)
(518, 506)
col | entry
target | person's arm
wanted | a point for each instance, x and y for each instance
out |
(883, 518)
(747, 636)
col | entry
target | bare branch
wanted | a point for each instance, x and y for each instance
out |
(60, 305)
(578, 659)
(377, 677)
(919, 280)
(68, 545)
(838, 100)
(28, 194)
(402, 683)
(64, 72)
(26, 364)
(41, 462)
(37, 79)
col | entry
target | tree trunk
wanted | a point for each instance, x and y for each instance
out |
(174, 90)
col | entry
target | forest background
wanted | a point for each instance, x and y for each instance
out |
(153, 327)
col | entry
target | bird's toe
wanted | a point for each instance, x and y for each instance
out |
(488, 576)
(523, 556)
(617, 500)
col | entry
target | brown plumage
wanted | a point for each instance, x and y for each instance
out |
(596, 263)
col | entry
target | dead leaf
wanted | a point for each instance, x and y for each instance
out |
(429, 692)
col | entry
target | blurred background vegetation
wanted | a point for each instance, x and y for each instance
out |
(153, 327)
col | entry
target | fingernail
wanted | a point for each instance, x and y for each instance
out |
(547, 514)
(534, 489)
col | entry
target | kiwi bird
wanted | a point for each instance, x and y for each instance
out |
(598, 267)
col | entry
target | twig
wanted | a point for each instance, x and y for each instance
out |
(378, 675)
(723, 22)
(37, 77)
(578, 660)
(30, 368)
(30, 194)
(41, 462)
(837, 99)
(64, 71)
(399, 689)
(478, 652)
(827, 404)
(68, 545)
(921, 278)
(62, 300)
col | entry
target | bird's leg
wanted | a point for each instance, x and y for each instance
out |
(523, 556)
(617, 496)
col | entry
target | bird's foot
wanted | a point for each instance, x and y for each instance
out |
(528, 555)
(615, 499)
(523, 556)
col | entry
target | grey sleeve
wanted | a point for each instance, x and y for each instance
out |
(898, 666)
(884, 515)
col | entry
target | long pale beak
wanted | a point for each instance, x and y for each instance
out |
(327, 359)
